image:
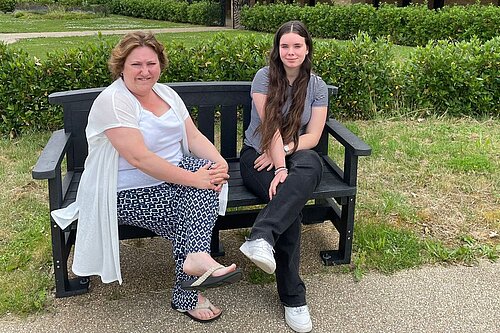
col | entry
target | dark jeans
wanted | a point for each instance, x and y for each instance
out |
(279, 223)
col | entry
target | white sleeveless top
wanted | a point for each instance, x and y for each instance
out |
(163, 136)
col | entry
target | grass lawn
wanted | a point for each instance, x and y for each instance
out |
(430, 192)
(78, 22)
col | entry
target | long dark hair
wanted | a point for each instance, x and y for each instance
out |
(288, 125)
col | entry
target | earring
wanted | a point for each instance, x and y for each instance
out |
(121, 75)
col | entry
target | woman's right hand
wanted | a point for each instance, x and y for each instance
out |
(264, 161)
(211, 177)
(279, 178)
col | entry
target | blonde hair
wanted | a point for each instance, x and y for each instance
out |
(127, 44)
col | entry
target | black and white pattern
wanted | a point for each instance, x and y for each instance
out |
(185, 215)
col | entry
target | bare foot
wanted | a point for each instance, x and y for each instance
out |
(205, 314)
(198, 263)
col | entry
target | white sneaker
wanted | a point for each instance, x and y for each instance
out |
(261, 253)
(298, 318)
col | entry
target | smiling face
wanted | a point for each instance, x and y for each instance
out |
(293, 50)
(141, 70)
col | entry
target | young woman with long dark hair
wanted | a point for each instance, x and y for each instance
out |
(289, 109)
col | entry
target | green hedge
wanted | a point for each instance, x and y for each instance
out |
(204, 12)
(22, 97)
(220, 59)
(412, 25)
(7, 6)
(26, 83)
(363, 69)
(461, 79)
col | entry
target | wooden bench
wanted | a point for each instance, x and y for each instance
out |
(222, 111)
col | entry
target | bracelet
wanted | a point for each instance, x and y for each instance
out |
(278, 170)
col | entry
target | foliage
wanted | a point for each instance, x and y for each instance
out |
(220, 59)
(26, 83)
(454, 78)
(7, 6)
(21, 95)
(204, 12)
(458, 79)
(363, 70)
(411, 25)
(83, 67)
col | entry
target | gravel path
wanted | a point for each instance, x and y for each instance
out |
(9, 38)
(429, 299)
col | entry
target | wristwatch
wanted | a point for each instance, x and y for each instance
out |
(286, 149)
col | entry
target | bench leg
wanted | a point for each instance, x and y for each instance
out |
(345, 227)
(216, 247)
(61, 246)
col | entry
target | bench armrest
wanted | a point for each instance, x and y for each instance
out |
(51, 157)
(349, 140)
(354, 147)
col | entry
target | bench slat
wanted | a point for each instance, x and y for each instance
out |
(331, 186)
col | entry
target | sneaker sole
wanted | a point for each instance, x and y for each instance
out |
(267, 266)
(301, 329)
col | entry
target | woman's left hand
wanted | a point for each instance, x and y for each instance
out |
(279, 178)
(219, 174)
(264, 161)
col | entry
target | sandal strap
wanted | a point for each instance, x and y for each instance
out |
(205, 276)
(205, 305)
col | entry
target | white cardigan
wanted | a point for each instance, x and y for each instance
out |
(97, 243)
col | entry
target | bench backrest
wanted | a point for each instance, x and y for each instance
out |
(220, 109)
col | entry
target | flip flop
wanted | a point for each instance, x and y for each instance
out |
(207, 281)
(204, 305)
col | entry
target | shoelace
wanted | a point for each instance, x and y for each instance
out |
(268, 247)
(264, 245)
(299, 310)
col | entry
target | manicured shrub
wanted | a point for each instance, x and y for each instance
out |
(363, 70)
(267, 18)
(204, 12)
(27, 82)
(412, 25)
(21, 96)
(7, 6)
(452, 78)
(221, 59)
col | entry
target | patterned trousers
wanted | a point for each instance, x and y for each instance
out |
(182, 214)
